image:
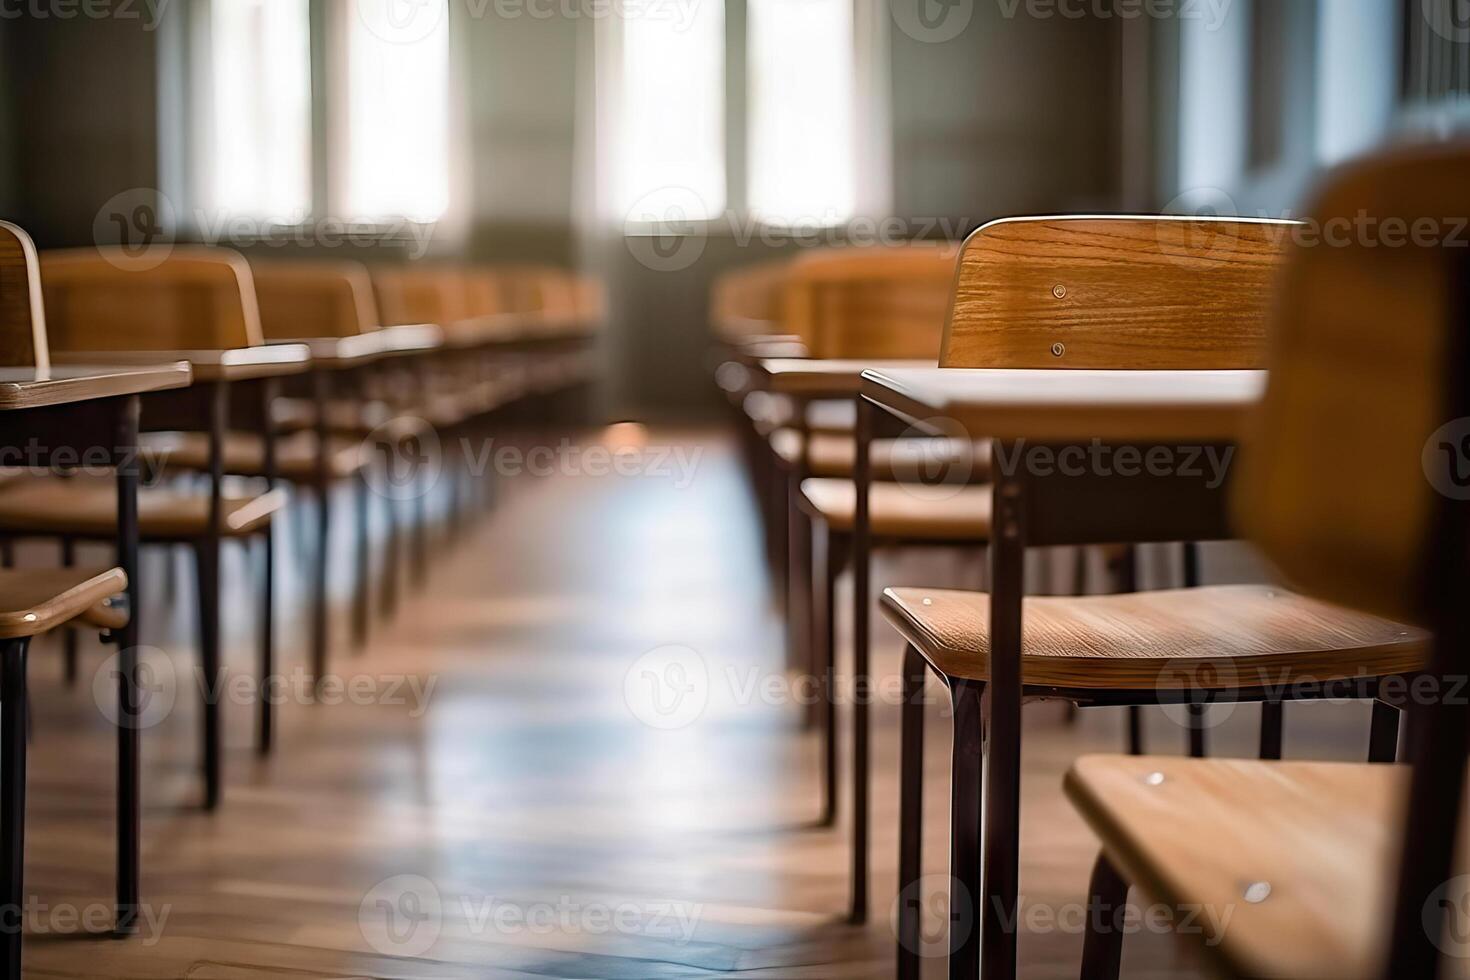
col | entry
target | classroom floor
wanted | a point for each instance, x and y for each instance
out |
(573, 755)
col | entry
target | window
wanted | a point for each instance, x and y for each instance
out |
(801, 56)
(1214, 101)
(259, 147)
(397, 144)
(1357, 65)
(669, 161)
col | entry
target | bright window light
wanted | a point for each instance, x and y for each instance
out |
(670, 112)
(260, 150)
(398, 110)
(803, 151)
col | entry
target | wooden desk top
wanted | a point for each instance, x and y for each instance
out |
(336, 353)
(756, 349)
(482, 331)
(410, 338)
(825, 377)
(1073, 406)
(28, 387)
(236, 364)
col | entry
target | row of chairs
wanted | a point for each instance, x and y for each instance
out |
(825, 361)
(309, 377)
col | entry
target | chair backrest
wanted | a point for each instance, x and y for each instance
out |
(305, 299)
(591, 299)
(1356, 441)
(484, 293)
(539, 289)
(746, 302)
(877, 302)
(195, 298)
(22, 312)
(429, 293)
(1115, 293)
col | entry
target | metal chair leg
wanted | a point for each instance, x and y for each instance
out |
(12, 801)
(206, 565)
(319, 603)
(1196, 716)
(1102, 946)
(1273, 719)
(70, 652)
(1383, 737)
(1135, 730)
(911, 816)
(392, 546)
(836, 559)
(265, 731)
(362, 581)
(966, 820)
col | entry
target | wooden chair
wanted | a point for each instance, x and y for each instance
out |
(1326, 870)
(865, 304)
(32, 601)
(196, 300)
(1107, 295)
(378, 400)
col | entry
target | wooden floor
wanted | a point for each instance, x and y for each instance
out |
(569, 757)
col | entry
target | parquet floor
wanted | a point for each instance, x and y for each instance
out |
(506, 789)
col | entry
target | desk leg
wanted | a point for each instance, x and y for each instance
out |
(267, 639)
(319, 610)
(1002, 803)
(207, 557)
(129, 799)
(861, 560)
(12, 802)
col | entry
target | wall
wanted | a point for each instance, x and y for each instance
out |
(83, 113)
(1011, 115)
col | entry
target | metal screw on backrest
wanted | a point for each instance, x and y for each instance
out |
(1059, 291)
(1058, 350)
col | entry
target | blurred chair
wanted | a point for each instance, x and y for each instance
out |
(32, 601)
(866, 304)
(377, 403)
(195, 300)
(1370, 347)
(1143, 294)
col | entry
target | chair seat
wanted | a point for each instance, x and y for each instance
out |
(86, 506)
(912, 459)
(1219, 637)
(350, 417)
(897, 510)
(1322, 837)
(244, 454)
(35, 600)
